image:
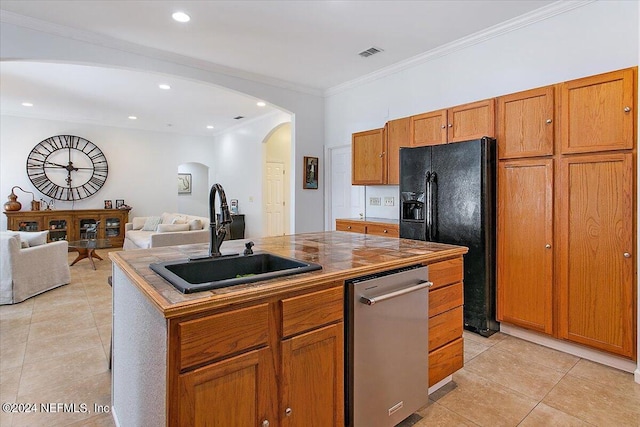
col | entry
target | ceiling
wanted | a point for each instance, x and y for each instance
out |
(309, 45)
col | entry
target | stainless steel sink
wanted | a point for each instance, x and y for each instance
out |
(212, 273)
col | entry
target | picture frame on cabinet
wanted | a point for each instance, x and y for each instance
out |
(108, 204)
(184, 183)
(119, 203)
(310, 179)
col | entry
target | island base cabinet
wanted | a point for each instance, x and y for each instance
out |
(312, 375)
(232, 392)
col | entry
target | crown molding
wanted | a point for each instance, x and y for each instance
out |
(137, 49)
(546, 12)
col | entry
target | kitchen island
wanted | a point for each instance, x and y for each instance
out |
(266, 353)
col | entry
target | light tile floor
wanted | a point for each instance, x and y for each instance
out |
(54, 348)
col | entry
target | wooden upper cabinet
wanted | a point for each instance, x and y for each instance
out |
(597, 251)
(525, 244)
(429, 128)
(526, 124)
(461, 123)
(598, 112)
(397, 136)
(471, 121)
(369, 157)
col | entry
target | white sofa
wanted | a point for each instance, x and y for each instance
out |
(169, 229)
(29, 271)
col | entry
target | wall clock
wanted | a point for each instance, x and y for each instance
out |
(67, 167)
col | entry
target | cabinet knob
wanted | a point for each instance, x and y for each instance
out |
(549, 121)
(443, 126)
(450, 125)
(348, 227)
(627, 109)
(288, 412)
(548, 246)
(385, 231)
(265, 423)
(626, 255)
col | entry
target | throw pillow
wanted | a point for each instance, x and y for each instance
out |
(138, 222)
(165, 228)
(24, 244)
(151, 224)
(34, 238)
(179, 220)
(195, 224)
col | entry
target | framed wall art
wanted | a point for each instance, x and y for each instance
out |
(184, 183)
(310, 180)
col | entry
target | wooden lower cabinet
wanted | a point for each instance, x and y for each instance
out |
(596, 280)
(525, 244)
(232, 392)
(368, 227)
(312, 378)
(446, 347)
(276, 362)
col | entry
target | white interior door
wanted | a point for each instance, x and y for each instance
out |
(275, 199)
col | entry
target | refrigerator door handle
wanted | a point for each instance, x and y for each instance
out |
(433, 207)
(427, 192)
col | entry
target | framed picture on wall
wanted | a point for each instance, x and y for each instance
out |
(310, 180)
(184, 183)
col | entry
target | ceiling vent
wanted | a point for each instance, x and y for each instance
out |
(238, 117)
(371, 51)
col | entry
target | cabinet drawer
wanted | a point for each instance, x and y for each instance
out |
(310, 311)
(446, 272)
(445, 328)
(351, 226)
(445, 298)
(445, 361)
(383, 229)
(213, 337)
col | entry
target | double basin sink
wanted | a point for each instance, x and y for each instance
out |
(213, 273)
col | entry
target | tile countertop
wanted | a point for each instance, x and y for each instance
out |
(342, 255)
(372, 219)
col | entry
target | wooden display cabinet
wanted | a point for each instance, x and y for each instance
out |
(72, 224)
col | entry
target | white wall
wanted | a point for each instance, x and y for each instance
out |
(239, 164)
(196, 202)
(18, 42)
(142, 165)
(595, 38)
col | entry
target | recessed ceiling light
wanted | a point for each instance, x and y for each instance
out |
(209, 127)
(133, 118)
(181, 17)
(261, 103)
(27, 104)
(164, 86)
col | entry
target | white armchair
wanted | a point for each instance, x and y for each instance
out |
(30, 271)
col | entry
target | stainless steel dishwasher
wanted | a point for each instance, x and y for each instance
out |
(386, 347)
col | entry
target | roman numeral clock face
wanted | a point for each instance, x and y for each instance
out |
(67, 167)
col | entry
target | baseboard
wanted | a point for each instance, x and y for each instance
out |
(440, 384)
(574, 349)
(636, 375)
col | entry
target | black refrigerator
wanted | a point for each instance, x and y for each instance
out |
(447, 195)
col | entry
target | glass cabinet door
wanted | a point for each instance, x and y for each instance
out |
(88, 228)
(28, 226)
(58, 229)
(112, 227)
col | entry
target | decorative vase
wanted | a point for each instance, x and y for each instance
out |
(13, 204)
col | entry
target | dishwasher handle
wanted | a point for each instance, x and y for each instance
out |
(379, 298)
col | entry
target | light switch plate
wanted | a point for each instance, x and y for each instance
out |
(388, 201)
(374, 201)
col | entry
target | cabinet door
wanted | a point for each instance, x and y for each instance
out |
(369, 160)
(232, 392)
(596, 280)
(525, 254)
(313, 379)
(471, 121)
(60, 227)
(397, 136)
(526, 124)
(598, 112)
(429, 128)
